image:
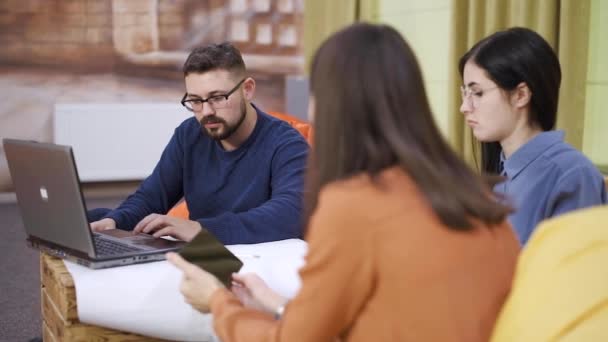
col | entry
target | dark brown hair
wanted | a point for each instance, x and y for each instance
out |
(372, 113)
(223, 56)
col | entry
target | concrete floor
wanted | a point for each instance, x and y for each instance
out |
(20, 317)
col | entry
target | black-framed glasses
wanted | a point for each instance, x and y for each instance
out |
(215, 101)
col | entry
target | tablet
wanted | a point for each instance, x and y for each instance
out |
(208, 253)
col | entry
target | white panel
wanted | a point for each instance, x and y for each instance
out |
(238, 6)
(261, 6)
(287, 36)
(116, 141)
(286, 6)
(239, 30)
(263, 34)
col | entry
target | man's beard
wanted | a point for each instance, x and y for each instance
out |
(214, 134)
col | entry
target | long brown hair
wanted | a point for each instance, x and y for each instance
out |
(372, 113)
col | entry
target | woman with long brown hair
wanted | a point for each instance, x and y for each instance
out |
(406, 243)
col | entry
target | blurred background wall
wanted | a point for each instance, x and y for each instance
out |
(440, 31)
(595, 138)
(130, 51)
(92, 35)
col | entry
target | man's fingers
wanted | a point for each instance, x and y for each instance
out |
(101, 225)
(100, 228)
(157, 223)
(168, 230)
(143, 223)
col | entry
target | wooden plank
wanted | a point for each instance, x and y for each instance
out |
(59, 285)
(47, 335)
(51, 316)
(62, 330)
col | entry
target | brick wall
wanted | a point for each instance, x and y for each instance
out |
(171, 24)
(184, 24)
(67, 33)
(267, 27)
(115, 34)
(135, 26)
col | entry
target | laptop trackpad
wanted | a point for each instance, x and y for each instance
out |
(145, 241)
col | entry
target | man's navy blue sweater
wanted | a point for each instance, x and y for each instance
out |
(249, 195)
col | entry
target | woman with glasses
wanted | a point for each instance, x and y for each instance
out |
(406, 243)
(510, 92)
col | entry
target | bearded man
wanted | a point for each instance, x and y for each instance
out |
(240, 170)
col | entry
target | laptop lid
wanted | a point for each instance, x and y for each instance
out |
(54, 214)
(48, 192)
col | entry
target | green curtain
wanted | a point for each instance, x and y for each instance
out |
(563, 23)
(322, 18)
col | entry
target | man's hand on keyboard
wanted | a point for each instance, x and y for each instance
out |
(161, 225)
(104, 224)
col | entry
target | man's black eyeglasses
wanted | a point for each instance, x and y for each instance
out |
(215, 101)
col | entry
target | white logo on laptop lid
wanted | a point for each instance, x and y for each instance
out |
(44, 194)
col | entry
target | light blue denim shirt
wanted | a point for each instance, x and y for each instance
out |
(547, 177)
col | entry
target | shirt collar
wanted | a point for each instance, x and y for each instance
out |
(529, 152)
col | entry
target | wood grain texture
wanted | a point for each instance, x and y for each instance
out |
(47, 335)
(59, 285)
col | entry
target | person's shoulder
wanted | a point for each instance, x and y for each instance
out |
(587, 217)
(372, 197)
(189, 131)
(341, 207)
(190, 125)
(563, 232)
(278, 130)
(568, 160)
(345, 191)
(190, 122)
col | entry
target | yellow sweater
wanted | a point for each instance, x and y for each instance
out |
(382, 267)
(560, 291)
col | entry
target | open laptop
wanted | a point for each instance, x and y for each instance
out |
(54, 214)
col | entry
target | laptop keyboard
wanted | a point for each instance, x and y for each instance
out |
(109, 247)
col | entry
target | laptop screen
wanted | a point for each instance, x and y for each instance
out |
(48, 193)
